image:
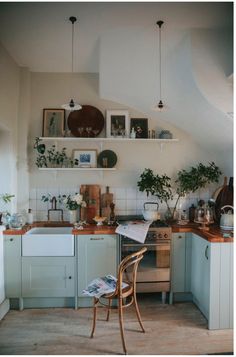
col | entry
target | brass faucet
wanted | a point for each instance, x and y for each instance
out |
(54, 208)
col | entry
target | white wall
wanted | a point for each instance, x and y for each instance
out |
(9, 96)
(2, 288)
(51, 90)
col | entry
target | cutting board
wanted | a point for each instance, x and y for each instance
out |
(225, 197)
(217, 191)
(91, 195)
(106, 200)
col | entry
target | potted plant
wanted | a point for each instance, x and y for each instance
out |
(73, 204)
(5, 198)
(187, 181)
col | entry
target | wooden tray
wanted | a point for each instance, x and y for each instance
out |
(88, 117)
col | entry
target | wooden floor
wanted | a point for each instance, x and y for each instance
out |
(177, 329)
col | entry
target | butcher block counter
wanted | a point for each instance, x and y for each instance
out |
(214, 235)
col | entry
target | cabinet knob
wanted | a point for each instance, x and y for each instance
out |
(180, 237)
(70, 277)
(11, 239)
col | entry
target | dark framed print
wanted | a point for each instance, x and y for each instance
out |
(117, 123)
(140, 126)
(53, 122)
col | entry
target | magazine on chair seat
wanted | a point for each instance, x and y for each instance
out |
(101, 286)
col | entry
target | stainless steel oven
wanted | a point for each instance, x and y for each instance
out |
(154, 269)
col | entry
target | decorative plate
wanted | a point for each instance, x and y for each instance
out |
(87, 122)
(107, 158)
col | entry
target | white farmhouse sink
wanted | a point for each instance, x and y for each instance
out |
(48, 242)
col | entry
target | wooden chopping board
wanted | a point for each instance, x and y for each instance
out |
(217, 191)
(91, 195)
(225, 197)
(106, 200)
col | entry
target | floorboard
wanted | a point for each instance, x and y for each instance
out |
(178, 329)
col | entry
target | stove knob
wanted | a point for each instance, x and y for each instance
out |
(165, 235)
(154, 235)
(159, 235)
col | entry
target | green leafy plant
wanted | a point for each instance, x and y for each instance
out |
(6, 197)
(187, 181)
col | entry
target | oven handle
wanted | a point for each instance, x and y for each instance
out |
(146, 245)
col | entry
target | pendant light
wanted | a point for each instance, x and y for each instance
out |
(160, 104)
(72, 105)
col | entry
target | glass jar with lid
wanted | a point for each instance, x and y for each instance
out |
(17, 221)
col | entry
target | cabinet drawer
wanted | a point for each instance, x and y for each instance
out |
(48, 277)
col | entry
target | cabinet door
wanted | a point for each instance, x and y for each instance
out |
(97, 257)
(48, 277)
(200, 273)
(178, 262)
(12, 265)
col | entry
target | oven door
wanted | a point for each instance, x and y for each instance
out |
(154, 269)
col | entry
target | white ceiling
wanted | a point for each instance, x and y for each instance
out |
(38, 35)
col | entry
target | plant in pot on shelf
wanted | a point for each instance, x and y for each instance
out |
(5, 198)
(187, 181)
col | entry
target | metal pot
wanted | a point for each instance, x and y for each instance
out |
(227, 219)
(151, 214)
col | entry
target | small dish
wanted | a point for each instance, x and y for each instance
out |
(99, 220)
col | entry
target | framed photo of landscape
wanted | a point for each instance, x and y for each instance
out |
(53, 122)
(140, 126)
(85, 157)
(117, 123)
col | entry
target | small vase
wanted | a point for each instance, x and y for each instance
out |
(171, 215)
(73, 216)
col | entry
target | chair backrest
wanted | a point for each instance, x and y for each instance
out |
(131, 260)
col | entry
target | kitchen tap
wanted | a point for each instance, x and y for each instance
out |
(54, 208)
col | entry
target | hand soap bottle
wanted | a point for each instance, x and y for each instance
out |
(30, 217)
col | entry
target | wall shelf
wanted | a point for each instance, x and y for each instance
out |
(76, 169)
(160, 141)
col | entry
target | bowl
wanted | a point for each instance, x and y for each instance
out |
(99, 220)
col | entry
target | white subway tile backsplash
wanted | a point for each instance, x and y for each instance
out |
(42, 206)
(131, 205)
(32, 194)
(131, 193)
(120, 204)
(120, 193)
(32, 204)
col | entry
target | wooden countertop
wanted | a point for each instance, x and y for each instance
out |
(214, 235)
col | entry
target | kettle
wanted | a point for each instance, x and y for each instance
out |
(227, 219)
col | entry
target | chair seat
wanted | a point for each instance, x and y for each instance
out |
(127, 291)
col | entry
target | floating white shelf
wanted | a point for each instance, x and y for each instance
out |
(76, 169)
(160, 141)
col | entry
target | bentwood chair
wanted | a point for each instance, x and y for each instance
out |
(128, 293)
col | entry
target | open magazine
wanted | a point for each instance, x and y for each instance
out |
(101, 286)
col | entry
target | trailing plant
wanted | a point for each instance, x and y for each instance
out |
(6, 197)
(51, 157)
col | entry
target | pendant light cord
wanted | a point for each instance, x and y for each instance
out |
(72, 51)
(160, 62)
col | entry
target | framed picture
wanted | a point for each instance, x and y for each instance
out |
(85, 157)
(53, 122)
(140, 126)
(117, 123)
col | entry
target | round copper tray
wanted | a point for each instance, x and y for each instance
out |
(87, 122)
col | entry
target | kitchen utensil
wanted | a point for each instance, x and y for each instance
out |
(91, 195)
(89, 118)
(106, 200)
(151, 214)
(227, 218)
(107, 158)
(225, 197)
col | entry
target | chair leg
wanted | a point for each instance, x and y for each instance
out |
(138, 313)
(109, 309)
(95, 301)
(120, 308)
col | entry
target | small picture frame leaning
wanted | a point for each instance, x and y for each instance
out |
(140, 126)
(87, 158)
(53, 122)
(117, 123)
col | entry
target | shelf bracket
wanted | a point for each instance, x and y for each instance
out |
(161, 146)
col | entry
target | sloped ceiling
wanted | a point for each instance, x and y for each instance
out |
(120, 41)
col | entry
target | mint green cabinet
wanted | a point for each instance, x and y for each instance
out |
(48, 277)
(180, 262)
(97, 256)
(200, 277)
(12, 265)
